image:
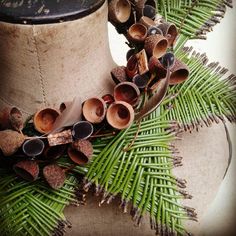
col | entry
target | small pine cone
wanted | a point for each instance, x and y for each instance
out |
(27, 169)
(54, 175)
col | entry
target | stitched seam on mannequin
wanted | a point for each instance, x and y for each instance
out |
(14, 105)
(39, 68)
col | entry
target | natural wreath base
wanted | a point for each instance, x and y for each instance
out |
(204, 165)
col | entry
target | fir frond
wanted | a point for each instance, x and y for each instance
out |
(33, 208)
(209, 95)
(142, 174)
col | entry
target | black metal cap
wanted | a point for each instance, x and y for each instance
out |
(46, 11)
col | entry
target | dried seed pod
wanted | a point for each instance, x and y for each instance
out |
(142, 62)
(44, 120)
(33, 147)
(127, 92)
(144, 20)
(137, 33)
(27, 169)
(179, 73)
(120, 115)
(118, 74)
(55, 152)
(132, 66)
(10, 141)
(108, 99)
(119, 11)
(54, 175)
(170, 31)
(156, 45)
(60, 138)
(82, 130)
(81, 151)
(16, 119)
(94, 110)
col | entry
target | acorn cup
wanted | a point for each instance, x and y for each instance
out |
(53, 152)
(27, 170)
(119, 11)
(54, 175)
(44, 120)
(170, 31)
(120, 115)
(142, 62)
(137, 33)
(11, 117)
(82, 130)
(179, 73)
(33, 147)
(108, 99)
(140, 81)
(132, 66)
(118, 74)
(127, 92)
(156, 45)
(80, 151)
(94, 110)
(140, 5)
(10, 141)
(144, 20)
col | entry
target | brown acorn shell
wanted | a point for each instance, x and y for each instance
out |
(44, 120)
(156, 45)
(54, 175)
(10, 141)
(94, 110)
(27, 169)
(170, 31)
(120, 115)
(127, 92)
(118, 74)
(155, 66)
(119, 11)
(132, 66)
(137, 33)
(179, 73)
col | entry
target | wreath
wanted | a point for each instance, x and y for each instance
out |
(120, 144)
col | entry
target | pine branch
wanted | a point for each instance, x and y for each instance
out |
(207, 96)
(142, 176)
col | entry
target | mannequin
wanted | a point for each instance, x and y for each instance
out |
(53, 56)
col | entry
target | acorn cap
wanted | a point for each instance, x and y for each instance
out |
(144, 20)
(94, 110)
(137, 33)
(120, 115)
(82, 130)
(10, 141)
(33, 147)
(179, 73)
(44, 120)
(80, 151)
(27, 169)
(127, 92)
(118, 74)
(156, 45)
(170, 31)
(54, 175)
(119, 11)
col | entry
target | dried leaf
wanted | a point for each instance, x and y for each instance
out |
(156, 99)
(69, 116)
(10, 141)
